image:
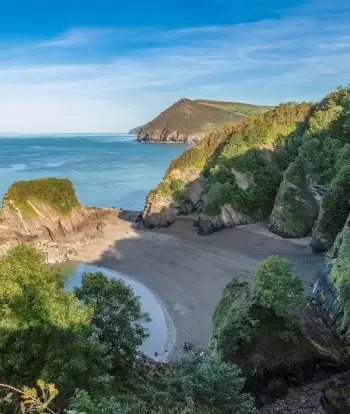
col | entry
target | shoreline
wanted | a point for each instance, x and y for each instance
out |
(187, 272)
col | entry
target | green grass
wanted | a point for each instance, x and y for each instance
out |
(241, 108)
(57, 193)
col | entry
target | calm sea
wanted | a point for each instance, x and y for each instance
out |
(109, 170)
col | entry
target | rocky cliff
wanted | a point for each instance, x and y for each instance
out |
(136, 130)
(188, 121)
(232, 176)
(290, 165)
(47, 210)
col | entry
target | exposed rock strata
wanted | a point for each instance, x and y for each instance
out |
(227, 218)
(49, 226)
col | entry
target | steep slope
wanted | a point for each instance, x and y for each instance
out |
(323, 162)
(136, 130)
(232, 176)
(189, 120)
(47, 210)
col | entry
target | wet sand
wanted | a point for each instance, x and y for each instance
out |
(188, 272)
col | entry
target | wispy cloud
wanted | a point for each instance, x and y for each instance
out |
(113, 78)
(78, 37)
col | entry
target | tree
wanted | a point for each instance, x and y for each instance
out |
(44, 333)
(277, 287)
(117, 314)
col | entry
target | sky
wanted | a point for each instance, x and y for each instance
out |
(108, 66)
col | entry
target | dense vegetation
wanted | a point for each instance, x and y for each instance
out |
(246, 150)
(57, 193)
(340, 260)
(87, 344)
(252, 324)
(323, 159)
(278, 164)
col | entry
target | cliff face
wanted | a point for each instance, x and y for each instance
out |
(31, 214)
(290, 165)
(188, 121)
(231, 177)
(135, 130)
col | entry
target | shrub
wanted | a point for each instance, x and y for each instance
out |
(277, 287)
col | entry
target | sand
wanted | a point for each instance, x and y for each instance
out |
(187, 272)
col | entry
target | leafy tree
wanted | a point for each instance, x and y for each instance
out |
(219, 385)
(43, 332)
(117, 314)
(277, 287)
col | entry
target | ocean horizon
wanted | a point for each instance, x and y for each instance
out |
(106, 169)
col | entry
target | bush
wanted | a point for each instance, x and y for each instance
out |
(277, 287)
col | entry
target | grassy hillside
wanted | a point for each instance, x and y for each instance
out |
(237, 107)
(189, 120)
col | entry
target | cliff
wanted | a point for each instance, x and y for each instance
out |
(47, 210)
(136, 130)
(290, 165)
(188, 121)
(232, 176)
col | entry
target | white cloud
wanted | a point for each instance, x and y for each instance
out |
(299, 58)
(77, 37)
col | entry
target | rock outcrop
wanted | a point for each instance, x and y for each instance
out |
(136, 130)
(188, 121)
(296, 207)
(334, 211)
(332, 285)
(33, 212)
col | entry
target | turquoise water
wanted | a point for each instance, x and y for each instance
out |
(108, 170)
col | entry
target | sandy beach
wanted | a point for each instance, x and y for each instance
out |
(187, 272)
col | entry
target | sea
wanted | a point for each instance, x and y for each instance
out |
(107, 170)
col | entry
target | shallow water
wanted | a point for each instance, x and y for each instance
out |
(160, 327)
(108, 170)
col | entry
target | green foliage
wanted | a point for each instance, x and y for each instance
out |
(252, 325)
(334, 211)
(341, 272)
(323, 152)
(57, 193)
(118, 316)
(32, 400)
(242, 147)
(43, 331)
(240, 108)
(295, 208)
(195, 386)
(277, 287)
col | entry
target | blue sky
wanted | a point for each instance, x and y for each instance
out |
(106, 66)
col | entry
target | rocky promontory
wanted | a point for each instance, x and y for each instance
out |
(47, 211)
(188, 121)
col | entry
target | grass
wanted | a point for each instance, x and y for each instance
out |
(240, 108)
(57, 193)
